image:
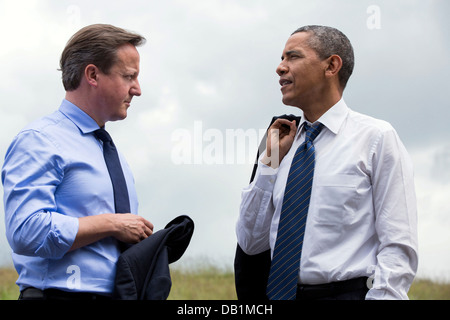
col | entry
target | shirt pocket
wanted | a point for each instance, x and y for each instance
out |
(336, 199)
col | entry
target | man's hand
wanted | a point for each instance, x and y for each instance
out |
(131, 228)
(126, 227)
(280, 137)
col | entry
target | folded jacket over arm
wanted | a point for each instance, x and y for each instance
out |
(143, 270)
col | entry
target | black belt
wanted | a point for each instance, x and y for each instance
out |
(331, 289)
(55, 294)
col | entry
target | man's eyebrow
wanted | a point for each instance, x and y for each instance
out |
(290, 53)
(130, 71)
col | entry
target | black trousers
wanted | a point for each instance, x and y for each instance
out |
(54, 294)
(353, 289)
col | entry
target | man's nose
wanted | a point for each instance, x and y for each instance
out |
(136, 89)
(282, 69)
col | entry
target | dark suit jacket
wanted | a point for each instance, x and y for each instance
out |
(251, 272)
(143, 269)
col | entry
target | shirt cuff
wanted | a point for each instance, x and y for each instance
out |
(266, 177)
(60, 238)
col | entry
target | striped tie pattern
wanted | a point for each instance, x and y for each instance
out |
(283, 277)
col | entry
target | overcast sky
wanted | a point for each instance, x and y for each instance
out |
(208, 70)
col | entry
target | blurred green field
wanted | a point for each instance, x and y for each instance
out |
(211, 283)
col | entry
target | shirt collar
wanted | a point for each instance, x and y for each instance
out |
(80, 118)
(333, 118)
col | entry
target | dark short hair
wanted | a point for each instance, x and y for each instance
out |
(95, 44)
(327, 41)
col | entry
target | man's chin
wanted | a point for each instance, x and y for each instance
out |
(288, 102)
(118, 117)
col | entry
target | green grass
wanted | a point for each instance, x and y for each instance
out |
(203, 283)
(423, 289)
(8, 288)
(211, 283)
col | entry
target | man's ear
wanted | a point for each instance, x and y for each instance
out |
(334, 65)
(91, 73)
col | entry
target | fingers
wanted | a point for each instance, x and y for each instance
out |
(147, 229)
(285, 126)
(279, 140)
(281, 128)
(148, 224)
(132, 228)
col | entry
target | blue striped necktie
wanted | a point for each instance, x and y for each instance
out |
(284, 270)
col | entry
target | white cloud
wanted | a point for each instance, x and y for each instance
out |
(432, 189)
(232, 14)
(205, 88)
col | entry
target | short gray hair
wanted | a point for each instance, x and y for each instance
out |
(327, 41)
(95, 44)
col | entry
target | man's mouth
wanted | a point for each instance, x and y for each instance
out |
(284, 83)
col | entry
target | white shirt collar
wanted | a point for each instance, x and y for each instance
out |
(333, 118)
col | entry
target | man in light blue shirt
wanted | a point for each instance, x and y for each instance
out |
(58, 196)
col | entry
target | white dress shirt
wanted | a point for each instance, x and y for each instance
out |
(362, 218)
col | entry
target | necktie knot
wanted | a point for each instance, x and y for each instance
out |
(103, 135)
(312, 131)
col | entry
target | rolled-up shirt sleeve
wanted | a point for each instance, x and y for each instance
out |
(256, 212)
(32, 171)
(395, 219)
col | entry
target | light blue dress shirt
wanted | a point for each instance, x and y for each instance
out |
(54, 172)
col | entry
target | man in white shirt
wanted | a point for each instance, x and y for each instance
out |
(362, 218)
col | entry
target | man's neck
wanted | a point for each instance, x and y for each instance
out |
(80, 100)
(314, 110)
